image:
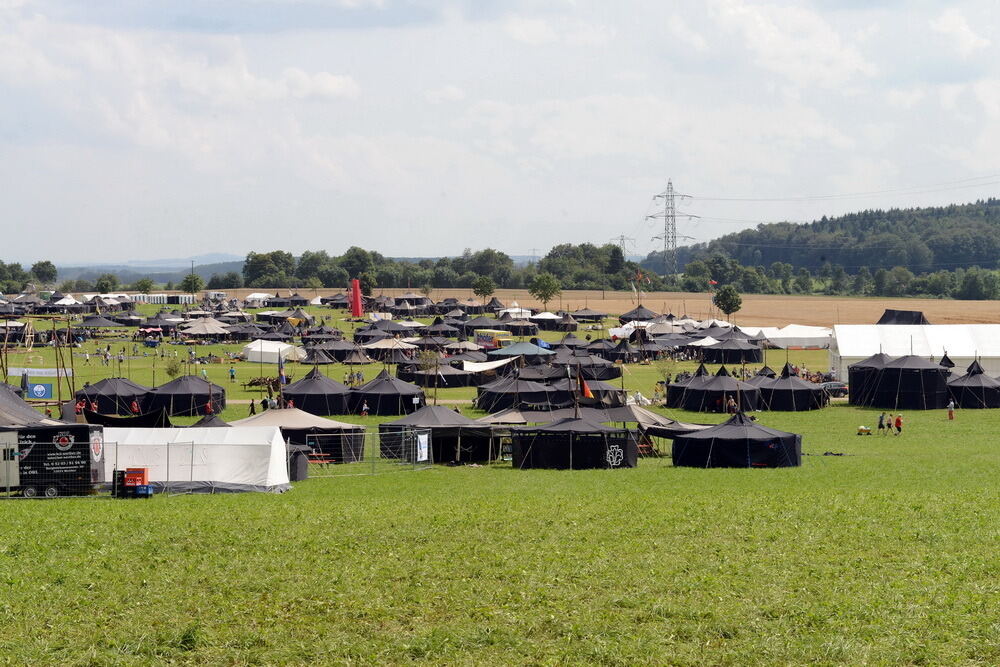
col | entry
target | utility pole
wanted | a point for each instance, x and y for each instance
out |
(534, 255)
(669, 235)
(623, 242)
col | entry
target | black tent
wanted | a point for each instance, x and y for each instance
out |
(764, 374)
(157, 419)
(210, 421)
(319, 395)
(442, 376)
(511, 392)
(588, 315)
(860, 377)
(187, 396)
(15, 411)
(711, 393)
(732, 351)
(453, 437)
(975, 389)
(316, 357)
(902, 317)
(573, 443)
(909, 383)
(738, 443)
(98, 322)
(623, 352)
(386, 395)
(113, 396)
(791, 393)
(638, 314)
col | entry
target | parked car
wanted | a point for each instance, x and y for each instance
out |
(835, 389)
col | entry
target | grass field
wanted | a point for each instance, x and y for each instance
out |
(885, 555)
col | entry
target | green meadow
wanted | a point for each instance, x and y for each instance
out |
(886, 554)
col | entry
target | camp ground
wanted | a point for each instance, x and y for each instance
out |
(291, 435)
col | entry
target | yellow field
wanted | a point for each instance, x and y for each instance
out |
(758, 309)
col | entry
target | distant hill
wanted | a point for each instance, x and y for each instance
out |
(920, 239)
(129, 273)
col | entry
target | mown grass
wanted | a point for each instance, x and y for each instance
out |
(886, 555)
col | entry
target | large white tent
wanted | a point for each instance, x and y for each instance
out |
(800, 337)
(270, 351)
(201, 460)
(963, 343)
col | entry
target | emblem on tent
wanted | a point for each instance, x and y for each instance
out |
(615, 456)
(97, 446)
(63, 442)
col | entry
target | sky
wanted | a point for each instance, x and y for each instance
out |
(152, 129)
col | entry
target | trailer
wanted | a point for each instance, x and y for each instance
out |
(50, 461)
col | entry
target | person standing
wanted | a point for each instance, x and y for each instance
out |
(364, 408)
(232, 374)
(951, 410)
(253, 409)
(899, 424)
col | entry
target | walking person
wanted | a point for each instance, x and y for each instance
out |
(881, 423)
(364, 408)
(951, 410)
(253, 409)
(889, 424)
(899, 424)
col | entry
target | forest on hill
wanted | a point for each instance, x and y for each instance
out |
(920, 239)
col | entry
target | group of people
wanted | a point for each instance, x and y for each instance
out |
(891, 424)
(354, 378)
(271, 403)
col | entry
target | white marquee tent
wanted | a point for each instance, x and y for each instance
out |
(800, 337)
(201, 460)
(269, 351)
(963, 343)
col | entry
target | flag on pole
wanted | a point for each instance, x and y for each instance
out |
(584, 387)
(281, 370)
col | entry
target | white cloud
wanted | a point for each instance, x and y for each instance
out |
(447, 93)
(683, 33)
(529, 30)
(905, 98)
(952, 23)
(795, 42)
(536, 31)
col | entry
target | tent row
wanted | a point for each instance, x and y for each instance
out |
(721, 392)
(914, 383)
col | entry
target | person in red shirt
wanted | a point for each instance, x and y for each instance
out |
(899, 424)
(134, 407)
(208, 408)
(93, 406)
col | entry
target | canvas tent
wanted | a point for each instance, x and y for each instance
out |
(790, 393)
(738, 443)
(270, 351)
(573, 443)
(711, 393)
(799, 337)
(732, 351)
(975, 389)
(963, 343)
(113, 396)
(909, 383)
(201, 460)
(343, 443)
(319, 395)
(454, 438)
(902, 317)
(186, 396)
(386, 395)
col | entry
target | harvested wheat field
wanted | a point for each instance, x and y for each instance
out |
(759, 309)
